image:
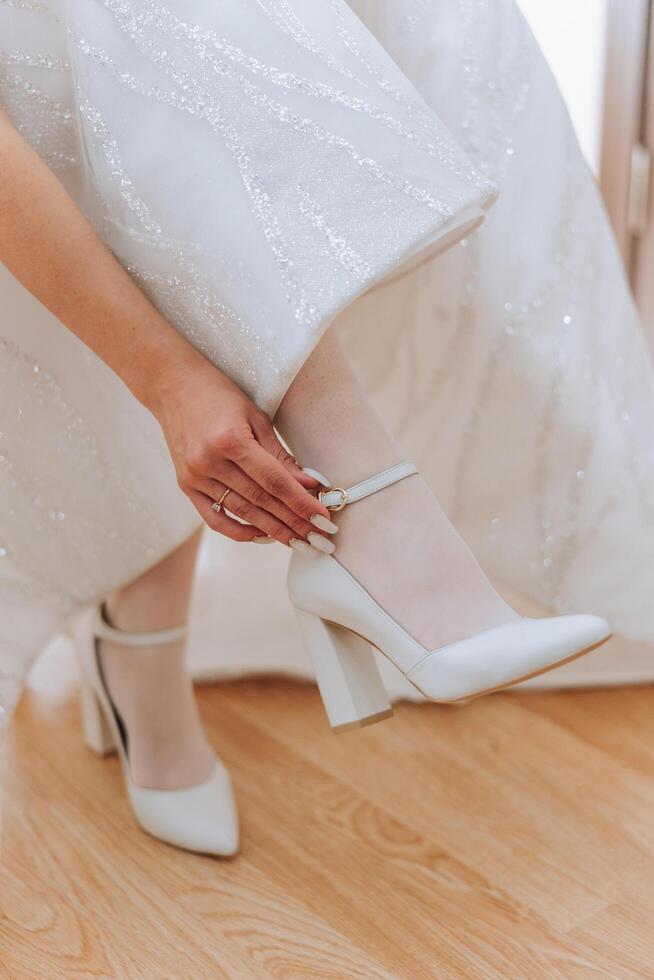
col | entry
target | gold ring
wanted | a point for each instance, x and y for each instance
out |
(217, 505)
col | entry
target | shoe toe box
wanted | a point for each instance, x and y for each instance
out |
(200, 818)
(506, 655)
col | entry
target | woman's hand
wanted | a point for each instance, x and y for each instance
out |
(219, 440)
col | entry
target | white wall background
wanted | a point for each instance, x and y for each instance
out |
(572, 34)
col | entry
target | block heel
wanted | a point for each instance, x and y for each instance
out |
(347, 673)
(96, 730)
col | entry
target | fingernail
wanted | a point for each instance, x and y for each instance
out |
(300, 546)
(263, 539)
(324, 523)
(317, 476)
(321, 543)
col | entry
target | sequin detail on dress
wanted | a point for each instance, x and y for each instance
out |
(254, 179)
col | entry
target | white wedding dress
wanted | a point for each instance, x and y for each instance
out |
(263, 168)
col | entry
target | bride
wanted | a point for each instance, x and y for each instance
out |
(229, 212)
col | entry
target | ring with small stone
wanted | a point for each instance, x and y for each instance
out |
(217, 505)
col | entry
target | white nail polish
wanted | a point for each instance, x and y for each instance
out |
(263, 539)
(317, 476)
(300, 546)
(321, 543)
(324, 524)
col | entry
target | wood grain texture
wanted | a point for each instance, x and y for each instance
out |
(510, 838)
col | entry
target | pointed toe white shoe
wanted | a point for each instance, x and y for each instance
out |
(341, 622)
(199, 818)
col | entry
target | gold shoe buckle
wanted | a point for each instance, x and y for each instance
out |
(342, 502)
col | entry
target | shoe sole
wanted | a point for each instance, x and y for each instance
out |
(363, 722)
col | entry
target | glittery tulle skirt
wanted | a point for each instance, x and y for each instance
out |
(257, 170)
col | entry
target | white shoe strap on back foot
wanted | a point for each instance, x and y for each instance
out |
(104, 631)
(336, 498)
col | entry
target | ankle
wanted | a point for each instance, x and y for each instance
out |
(141, 608)
(329, 422)
(382, 521)
(347, 471)
(402, 548)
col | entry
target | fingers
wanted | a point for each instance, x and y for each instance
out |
(269, 492)
(220, 521)
(268, 438)
(273, 477)
(251, 503)
(255, 516)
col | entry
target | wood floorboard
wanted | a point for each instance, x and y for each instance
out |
(510, 838)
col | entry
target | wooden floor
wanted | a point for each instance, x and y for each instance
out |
(510, 838)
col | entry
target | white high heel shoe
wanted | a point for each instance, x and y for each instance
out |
(198, 818)
(341, 622)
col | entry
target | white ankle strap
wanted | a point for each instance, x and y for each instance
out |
(336, 498)
(104, 631)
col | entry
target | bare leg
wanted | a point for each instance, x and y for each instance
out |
(149, 685)
(398, 543)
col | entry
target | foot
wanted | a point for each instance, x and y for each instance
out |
(153, 694)
(402, 548)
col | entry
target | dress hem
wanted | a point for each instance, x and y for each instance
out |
(448, 235)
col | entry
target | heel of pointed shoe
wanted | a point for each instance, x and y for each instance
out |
(97, 733)
(348, 677)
